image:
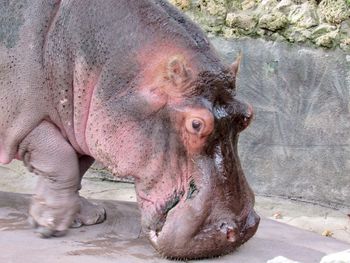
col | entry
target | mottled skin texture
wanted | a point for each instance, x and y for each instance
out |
(136, 86)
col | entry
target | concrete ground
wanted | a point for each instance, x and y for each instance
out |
(108, 241)
(119, 239)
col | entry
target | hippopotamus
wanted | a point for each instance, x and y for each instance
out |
(136, 86)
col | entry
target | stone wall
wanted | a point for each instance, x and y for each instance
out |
(323, 23)
(298, 145)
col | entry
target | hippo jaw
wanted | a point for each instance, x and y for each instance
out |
(188, 233)
(191, 234)
(211, 240)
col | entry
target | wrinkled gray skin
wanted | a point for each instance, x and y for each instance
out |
(136, 86)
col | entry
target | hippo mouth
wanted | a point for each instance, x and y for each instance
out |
(158, 219)
(185, 231)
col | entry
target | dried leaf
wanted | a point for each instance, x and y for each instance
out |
(327, 233)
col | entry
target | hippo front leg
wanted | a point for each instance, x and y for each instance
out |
(89, 213)
(56, 202)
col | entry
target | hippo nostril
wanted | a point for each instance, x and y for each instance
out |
(231, 235)
(229, 231)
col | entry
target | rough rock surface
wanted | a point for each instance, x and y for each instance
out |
(298, 144)
(289, 20)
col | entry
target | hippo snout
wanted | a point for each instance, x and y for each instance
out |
(213, 239)
(211, 217)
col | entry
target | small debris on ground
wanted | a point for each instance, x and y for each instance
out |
(327, 233)
(277, 215)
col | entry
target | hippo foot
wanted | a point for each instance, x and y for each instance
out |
(44, 232)
(52, 217)
(89, 214)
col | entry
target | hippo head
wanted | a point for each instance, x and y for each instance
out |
(176, 131)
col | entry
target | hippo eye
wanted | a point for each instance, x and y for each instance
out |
(196, 125)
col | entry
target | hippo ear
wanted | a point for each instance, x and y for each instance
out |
(177, 71)
(235, 65)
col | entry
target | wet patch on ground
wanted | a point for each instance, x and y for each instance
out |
(113, 246)
(10, 220)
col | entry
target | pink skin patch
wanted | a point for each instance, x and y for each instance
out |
(196, 125)
(3, 158)
(163, 68)
(164, 80)
(84, 85)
